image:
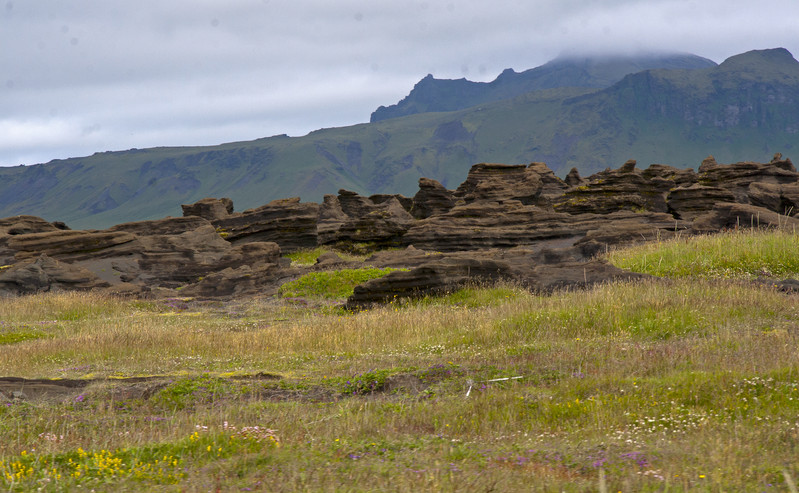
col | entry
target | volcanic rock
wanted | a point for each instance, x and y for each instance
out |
(738, 177)
(21, 225)
(448, 272)
(405, 202)
(209, 208)
(736, 216)
(431, 199)
(72, 244)
(289, 223)
(624, 189)
(166, 226)
(46, 274)
(331, 218)
(695, 200)
(435, 277)
(350, 220)
(500, 182)
(573, 179)
(551, 186)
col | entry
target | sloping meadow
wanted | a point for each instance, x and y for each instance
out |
(688, 382)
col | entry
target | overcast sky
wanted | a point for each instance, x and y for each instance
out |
(80, 76)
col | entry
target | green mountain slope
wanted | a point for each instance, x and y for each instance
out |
(747, 108)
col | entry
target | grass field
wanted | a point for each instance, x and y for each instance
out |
(689, 383)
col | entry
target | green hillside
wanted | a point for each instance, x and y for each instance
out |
(747, 108)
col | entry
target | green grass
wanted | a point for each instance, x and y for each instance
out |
(330, 284)
(15, 337)
(687, 384)
(308, 257)
(743, 254)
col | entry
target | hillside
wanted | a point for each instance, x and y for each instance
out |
(747, 108)
(432, 94)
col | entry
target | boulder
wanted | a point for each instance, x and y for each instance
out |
(383, 227)
(449, 272)
(573, 178)
(487, 224)
(431, 199)
(71, 244)
(692, 201)
(435, 277)
(500, 182)
(209, 208)
(552, 187)
(576, 275)
(790, 199)
(236, 282)
(354, 205)
(289, 223)
(626, 188)
(46, 274)
(21, 225)
(331, 218)
(735, 216)
(165, 226)
(405, 202)
(738, 177)
(350, 220)
(681, 177)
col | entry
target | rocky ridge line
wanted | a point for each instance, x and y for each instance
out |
(514, 222)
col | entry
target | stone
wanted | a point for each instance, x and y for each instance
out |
(500, 182)
(695, 200)
(46, 274)
(434, 277)
(73, 244)
(431, 199)
(738, 177)
(626, 188)
(289, 223)
(209, 208)
(573, 179)
(736, 216)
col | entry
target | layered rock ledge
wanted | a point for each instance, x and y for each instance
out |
(505, 222)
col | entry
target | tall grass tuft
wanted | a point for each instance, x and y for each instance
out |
(739, 254)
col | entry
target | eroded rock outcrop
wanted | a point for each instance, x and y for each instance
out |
(448, 272)
(505, 222)
(287, 222)
(350, 220)
(626, 188)
(46, 274)
(739, 178)
(209, 208)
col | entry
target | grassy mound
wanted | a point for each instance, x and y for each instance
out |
(330, 284)
(734, 255)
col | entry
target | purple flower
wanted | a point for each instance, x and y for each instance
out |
(80, 398)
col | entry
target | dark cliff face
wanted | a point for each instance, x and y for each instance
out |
(758, 89)
(431, 95)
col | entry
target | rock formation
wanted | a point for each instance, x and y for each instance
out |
(504, 222)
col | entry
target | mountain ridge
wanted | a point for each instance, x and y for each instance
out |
(745, 110)
(431, 94)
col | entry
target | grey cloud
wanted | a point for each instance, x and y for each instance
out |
(91, 75)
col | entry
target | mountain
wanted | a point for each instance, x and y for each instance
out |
(432, 94)
(746, 108)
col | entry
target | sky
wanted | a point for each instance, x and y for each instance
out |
(85, 76)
